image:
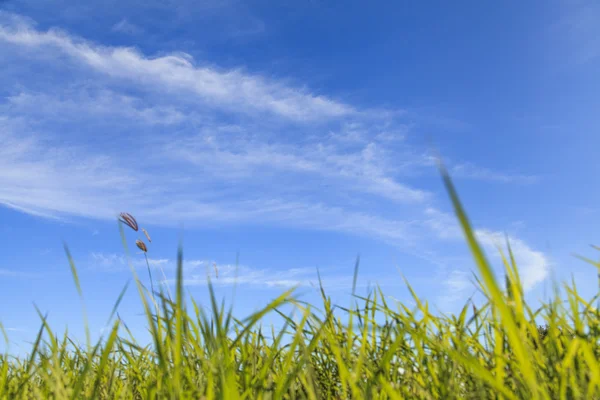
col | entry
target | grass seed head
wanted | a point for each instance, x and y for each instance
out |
(141, 245)
(147, 235)
(128, 220)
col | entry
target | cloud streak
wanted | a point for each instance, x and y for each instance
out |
(197, 272)
(49, 181)
(232, 89)
(124, 26)
(171, 140)
(9, 273)
(534, 266)
(470, 171)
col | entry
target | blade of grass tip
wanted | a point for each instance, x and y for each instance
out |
(229, 319)
(104, 357)
(78, 285)
(587, 260)
(221, 316)
(290, 365)
(261, 375)
(168, 318)
(513, 264)
(514, 287)
(73, 269)
(254, 318)
(479, 286)
(149, 275)
(215, 309)
(123, 322)
(179, 319)
(30, 361)
(594, 263)
(46, 326)
(166, 283)
(82, 376)
(413, 293)
(116, 306)
(63, 346)
(462, 317)
(235, 276)
(491, 284)
(321, 285)
(355, 274)
(4, 334)
(288, 320)
(153, 327)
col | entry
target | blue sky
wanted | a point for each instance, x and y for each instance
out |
(291, 136)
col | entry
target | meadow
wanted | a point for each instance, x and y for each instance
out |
(502, 348)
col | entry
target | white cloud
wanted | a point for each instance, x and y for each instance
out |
(19, 330)
(44, 176)
(229, 275)
(197, 272)
(87, 102)
(233, 89)
(117, 262)
(316, 216)
(458, 285)
(534, 266)
(366, 169)
(124, 26)
(243, 275)
(471, 171)
(11, 273)
(175, 142)
(576, 32)
(444, 225)
(458, 281)
(40, 179)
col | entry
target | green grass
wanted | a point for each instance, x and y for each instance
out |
(371, 350)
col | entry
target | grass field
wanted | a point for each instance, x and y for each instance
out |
(371, 350)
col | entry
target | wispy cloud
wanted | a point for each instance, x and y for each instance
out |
(232, 89)
(241, 148)
(229, 275)
(124, 26)
(577, 31)
(111, 262)
(197, 272)
(222, 150)
(471, 171)
(85, 102)
(458, 284)
(242, 275)
(45, 180)
(19, 330)
(534, 266)
(442, 224)
(10, 273)
(367, 168)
